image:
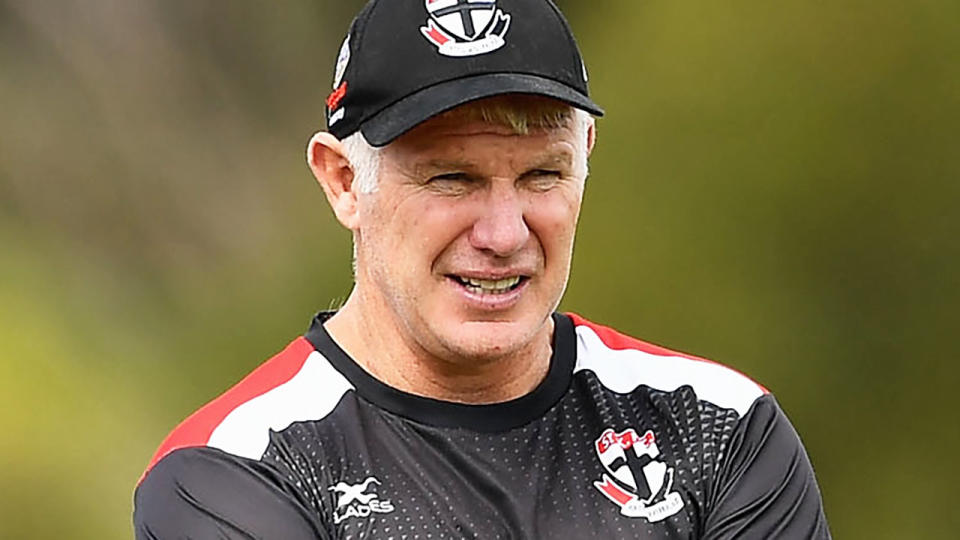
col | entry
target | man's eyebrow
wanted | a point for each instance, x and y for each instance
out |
(438, 164)
(560, 158)
(555, 159)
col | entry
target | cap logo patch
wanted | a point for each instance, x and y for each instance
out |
(462, 28)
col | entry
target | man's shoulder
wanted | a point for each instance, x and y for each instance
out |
(622, 363)
(238, 421)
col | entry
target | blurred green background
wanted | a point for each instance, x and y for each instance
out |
(775, 187)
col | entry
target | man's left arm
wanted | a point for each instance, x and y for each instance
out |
(766, 487)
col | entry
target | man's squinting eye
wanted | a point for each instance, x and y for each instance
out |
(456, 183)
(542, 179)
(451, 177)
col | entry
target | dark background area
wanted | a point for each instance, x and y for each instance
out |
(774, 187)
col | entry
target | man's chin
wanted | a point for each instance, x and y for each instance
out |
(490, 340)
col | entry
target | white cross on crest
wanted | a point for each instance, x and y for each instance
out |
(465, 19)
(462, 28)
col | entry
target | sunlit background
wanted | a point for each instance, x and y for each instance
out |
(775, 187)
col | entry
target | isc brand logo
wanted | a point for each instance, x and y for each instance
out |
(354, 501)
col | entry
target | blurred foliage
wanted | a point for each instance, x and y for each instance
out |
(774, 187)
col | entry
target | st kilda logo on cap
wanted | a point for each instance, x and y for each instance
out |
(461, 28)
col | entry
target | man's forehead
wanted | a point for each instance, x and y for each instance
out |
(462, 154)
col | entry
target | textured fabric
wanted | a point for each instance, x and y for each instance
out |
(650, 458)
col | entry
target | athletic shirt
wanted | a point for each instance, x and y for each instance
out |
(622, 439)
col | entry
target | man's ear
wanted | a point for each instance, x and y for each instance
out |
(330, 167)
(591, 136)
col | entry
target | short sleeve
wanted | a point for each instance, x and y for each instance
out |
(204, 493)
(766, 487)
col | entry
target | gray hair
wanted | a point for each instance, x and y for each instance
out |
(365, 159)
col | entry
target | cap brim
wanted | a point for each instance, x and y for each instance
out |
(404, 115)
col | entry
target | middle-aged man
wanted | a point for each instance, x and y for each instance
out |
(446, 398)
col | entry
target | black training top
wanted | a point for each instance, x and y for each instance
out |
(622, 439)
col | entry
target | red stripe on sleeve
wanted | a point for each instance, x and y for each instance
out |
(615, 340)
(197, 428)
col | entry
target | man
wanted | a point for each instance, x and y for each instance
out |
(446, 398)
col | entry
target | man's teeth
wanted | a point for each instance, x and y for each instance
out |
(492, 285)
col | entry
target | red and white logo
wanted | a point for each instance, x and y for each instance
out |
(465, 27)
(637, 482)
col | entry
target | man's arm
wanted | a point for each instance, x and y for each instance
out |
(204, 493)
(766, 487)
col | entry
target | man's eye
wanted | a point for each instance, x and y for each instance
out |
(542, 179)
(450, 183)
(451, 177)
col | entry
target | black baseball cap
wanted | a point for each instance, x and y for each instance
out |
(405, 61)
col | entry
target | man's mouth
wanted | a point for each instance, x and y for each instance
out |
(489, 286)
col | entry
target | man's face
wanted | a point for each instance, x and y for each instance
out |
(466, 244)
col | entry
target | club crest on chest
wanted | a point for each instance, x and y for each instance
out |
(636, 479)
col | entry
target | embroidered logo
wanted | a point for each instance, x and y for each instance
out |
(637, 482)
(354, 501)
(462, 28)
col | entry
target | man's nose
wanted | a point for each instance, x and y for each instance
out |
(500, 227)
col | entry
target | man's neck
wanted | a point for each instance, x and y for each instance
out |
(377, 344)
